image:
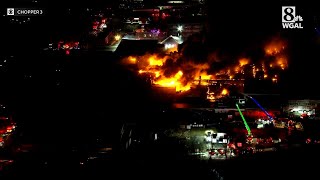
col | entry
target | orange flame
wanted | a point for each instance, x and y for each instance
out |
(224, 92)
(174, 81)
(243, 61)
(153, 61)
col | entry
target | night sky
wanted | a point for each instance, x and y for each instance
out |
(243, 25)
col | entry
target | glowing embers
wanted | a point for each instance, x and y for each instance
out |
(212, 96)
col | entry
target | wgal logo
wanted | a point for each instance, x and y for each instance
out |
(289, 18)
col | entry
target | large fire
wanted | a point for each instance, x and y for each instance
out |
(164, 71)
(276, 50)
(174, 81)
(175, 71)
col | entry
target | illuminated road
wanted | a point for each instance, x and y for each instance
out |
(113, 47)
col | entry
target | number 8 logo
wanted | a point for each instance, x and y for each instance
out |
(288, 13)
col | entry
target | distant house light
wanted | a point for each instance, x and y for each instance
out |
(169, 46)
(175, 2)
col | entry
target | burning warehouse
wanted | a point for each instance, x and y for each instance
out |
(184, 74)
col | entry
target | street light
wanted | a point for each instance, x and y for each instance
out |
(117, 37)
(179, 28)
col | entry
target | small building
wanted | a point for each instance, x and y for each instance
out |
(171, 43)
